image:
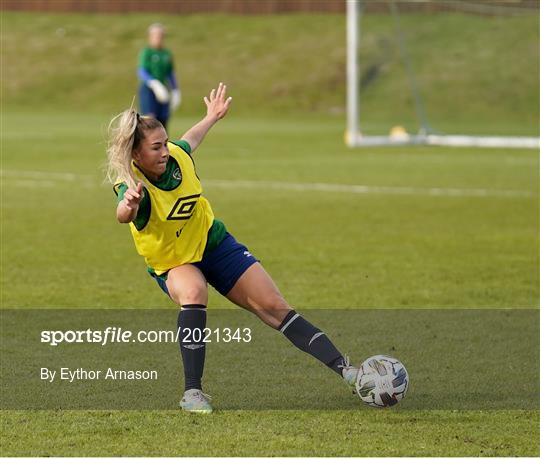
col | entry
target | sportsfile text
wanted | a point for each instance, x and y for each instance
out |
(118, 335)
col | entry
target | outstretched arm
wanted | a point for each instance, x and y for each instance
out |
(217, 106)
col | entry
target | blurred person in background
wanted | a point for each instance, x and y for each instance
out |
(159, 94)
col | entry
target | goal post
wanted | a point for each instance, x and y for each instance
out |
(353, 79)
(398, 136)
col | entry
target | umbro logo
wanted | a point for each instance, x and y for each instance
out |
(247, 254)
(193, 346)
(183, 208)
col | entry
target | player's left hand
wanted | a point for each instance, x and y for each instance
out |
(217, 103)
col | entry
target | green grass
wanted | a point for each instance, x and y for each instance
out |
(375, 250)
(61, 246)
(272, 433)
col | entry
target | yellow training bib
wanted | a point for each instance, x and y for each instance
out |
(177, 230)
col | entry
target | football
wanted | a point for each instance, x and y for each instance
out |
(382, 381)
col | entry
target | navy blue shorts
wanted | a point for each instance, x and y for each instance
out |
(221, 267)
(150, 105)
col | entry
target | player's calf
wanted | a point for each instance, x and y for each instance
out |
(312, 340)
(192, 317)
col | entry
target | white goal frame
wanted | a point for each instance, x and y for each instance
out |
(353, 135)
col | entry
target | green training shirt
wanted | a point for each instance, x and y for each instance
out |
(169, 181)
(158, 62)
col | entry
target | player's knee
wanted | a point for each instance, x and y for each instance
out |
(274, 309)
(193, 294)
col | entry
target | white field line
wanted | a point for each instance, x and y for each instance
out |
(368, 189)
(46, 175)
(45, 179)
(33, 183)
(48, 179)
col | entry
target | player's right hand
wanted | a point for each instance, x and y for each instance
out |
(133, 196)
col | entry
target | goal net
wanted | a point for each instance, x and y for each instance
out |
(446, 72)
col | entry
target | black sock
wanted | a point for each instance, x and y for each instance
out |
(192, 348)
(310, 339)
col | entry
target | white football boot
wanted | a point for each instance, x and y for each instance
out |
(349, 373)
(195, 401)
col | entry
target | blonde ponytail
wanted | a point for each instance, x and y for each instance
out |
(120, 147)
(126, 130)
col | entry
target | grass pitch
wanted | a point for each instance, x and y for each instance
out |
(326, 249)
(436, 228)
(272, 433)
(336, 228)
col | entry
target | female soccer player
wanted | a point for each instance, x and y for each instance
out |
(184, 246)
(156, 73)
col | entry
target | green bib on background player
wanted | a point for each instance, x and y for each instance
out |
(157, 62)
